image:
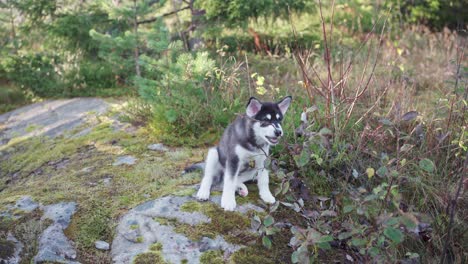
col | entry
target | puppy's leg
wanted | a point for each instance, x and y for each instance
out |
(242, 189)
(211, 168)
(264, 188)
(228, 199)
(243, 177)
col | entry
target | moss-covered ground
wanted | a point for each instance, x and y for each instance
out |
(70, 168)
(80, 169)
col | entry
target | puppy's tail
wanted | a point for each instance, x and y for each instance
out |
(195, 167)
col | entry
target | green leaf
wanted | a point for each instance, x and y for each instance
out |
(392, 221)
(268, 221)
(271, 231)
(266, 242)
(302, 159)
(348, 208)
(295, 257)
(344, 235)
(394, 234)
(274, 207)
(427, 165)
(357, 242)
(285, 188)
(325, 132)
(325, 239)
(324, 245)
(382, 171)
(374, 252)
(409, 221)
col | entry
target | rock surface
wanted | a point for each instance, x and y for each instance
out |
(138, 230)
(125, 160)
(157, 147)
(54, 246)
(102, 245)
(26, 204)
(49, 118)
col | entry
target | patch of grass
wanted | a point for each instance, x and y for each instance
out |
(89, 226)
(232, 225)
(156, 247)
(253, 255)
(149, 258)
(154, 256)
(212, 257)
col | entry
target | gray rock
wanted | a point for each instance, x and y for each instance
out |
(138, 230)
(157, 147)
(54, 246)
(102, 245)
(26, 204)
(107, 181)
(87, 169)
(127, 160)
(60, 213)
(49, 118)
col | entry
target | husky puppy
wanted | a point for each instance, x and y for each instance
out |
(242, 151)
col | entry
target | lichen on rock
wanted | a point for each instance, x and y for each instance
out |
(184, 228)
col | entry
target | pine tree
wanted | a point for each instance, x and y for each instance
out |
(123, 46)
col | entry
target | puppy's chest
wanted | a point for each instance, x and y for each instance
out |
(250, 159)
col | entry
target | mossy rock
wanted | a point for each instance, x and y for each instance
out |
(7, 249)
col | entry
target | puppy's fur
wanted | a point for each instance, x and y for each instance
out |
(242, 151)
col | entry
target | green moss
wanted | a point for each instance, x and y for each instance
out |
(192, 206)
(252, 255)
(232, 225)
(212, 257)
(7, 249)
(185, 192)
(149, 258)
(133, 227)
(91, 225)
(154, 256)
(31, 128)
(165, 221)
(139, 239)
(156, 247)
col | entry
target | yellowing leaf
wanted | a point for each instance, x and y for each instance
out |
(261, 90)
(370, 172)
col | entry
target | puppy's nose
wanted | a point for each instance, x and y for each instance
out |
(278, 133)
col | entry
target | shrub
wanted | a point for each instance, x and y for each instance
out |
(35, 72)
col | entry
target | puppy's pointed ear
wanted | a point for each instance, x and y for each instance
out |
(253, 107)
(284, 104)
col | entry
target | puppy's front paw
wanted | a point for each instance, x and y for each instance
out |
(228, 204)
(267, 197)
(203, 195)
(242, 190)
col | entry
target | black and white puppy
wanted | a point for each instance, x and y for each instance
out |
(242, 151)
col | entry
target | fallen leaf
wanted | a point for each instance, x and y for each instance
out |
(370, 172)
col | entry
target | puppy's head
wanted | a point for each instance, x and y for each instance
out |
(268, 116)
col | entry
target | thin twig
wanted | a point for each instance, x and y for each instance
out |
(150, 20)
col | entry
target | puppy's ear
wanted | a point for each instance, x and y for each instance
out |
(253, 107)
(284, 104)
